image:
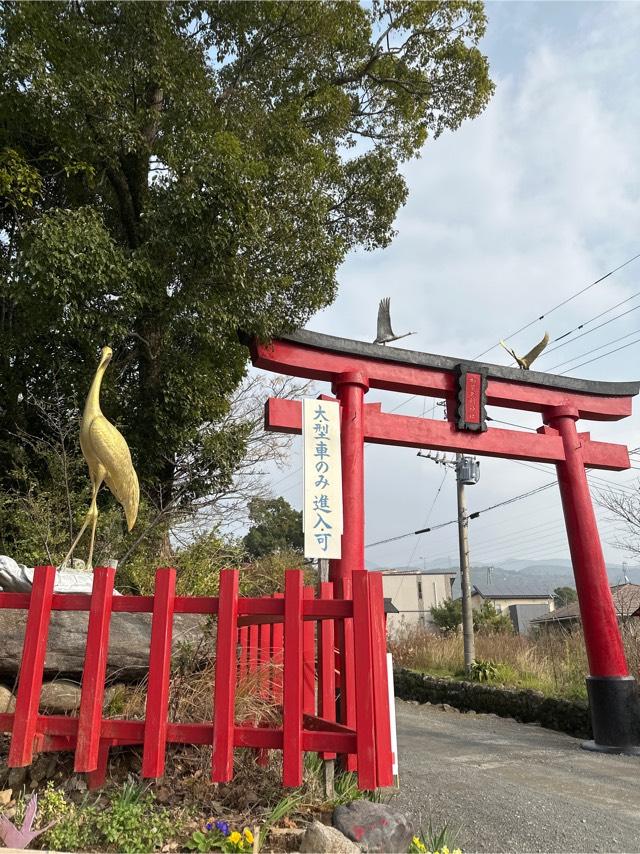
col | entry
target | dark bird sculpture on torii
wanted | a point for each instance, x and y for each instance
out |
(385, 332)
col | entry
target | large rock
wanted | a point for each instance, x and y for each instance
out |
(7, 700)
(320, 839)
(374, 827)
(60, 696)
(128, 643)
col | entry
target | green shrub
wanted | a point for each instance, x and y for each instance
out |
(483, 671)
(131, 823)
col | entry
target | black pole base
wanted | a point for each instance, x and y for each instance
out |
(614, 702)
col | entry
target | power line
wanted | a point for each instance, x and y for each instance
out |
(560, 304)
(474, 515)
(594, 349)
(603, 356)
(595, 328)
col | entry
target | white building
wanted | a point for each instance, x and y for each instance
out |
(414, 592)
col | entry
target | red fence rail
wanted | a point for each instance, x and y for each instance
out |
(285, 641)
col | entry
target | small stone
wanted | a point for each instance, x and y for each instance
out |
(17, 777)
(446, 707)
(43, 768)
(374, 827)
(320, 839)
(471, 712)
(7, 700)
(60, 696)
(5, 796)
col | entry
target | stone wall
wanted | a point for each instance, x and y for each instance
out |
(570, 716)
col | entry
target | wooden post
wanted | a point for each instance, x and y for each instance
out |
(225, 686)
(157, 710)
(95, 669)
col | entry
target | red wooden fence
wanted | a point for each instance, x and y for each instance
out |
(273, 639)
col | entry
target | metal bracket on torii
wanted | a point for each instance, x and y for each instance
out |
(352, 367)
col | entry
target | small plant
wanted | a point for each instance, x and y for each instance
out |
(346, 790)
(284, 807)
(75, 827)
(483, 671)
(133, 822)
(218, 836)
(434, 842)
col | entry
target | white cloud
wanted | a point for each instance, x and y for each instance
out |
(507, 217)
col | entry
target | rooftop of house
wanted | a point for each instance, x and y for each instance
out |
(512, 589)
(411, 570)
(626, 598)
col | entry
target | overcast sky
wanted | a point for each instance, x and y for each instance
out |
(517, 210)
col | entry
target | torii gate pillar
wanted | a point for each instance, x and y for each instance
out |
(609, 685)
(350, 388)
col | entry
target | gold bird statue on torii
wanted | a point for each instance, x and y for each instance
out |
(525, 362)
(108, 458)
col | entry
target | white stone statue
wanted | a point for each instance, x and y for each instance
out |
(18, 578)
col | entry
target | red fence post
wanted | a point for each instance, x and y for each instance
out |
(292, 705)
(264, 660)
(225, 686)
(347, 668)
(384, 754)
(365, 713)
(253, 648)
(94, 671)
(309, 667)
(278, 640)
(326, 665)
(157, 710)
(243, 640)
(34, 650)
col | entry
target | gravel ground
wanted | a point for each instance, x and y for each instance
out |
(514, 787)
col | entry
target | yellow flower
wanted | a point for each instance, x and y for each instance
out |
(235, 837)
(444, 850)
(248, 835)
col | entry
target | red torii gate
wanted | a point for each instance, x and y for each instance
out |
(353, 367)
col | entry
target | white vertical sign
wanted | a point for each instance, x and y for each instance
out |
(322, 482)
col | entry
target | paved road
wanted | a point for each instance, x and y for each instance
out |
(514, 787)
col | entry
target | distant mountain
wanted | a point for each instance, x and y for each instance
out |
(546, 574)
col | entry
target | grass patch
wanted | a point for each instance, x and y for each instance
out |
(553, 663)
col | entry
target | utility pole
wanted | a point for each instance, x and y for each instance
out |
(465, 570)
(467, 473)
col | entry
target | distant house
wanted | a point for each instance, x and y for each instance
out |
(521, 601)
(626, 598)
(414, 592)
(503, 595)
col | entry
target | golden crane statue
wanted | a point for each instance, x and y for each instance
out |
(108, 457)
(524, 362)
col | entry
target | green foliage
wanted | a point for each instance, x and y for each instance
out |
(430, 841)
(171, 172)
(447, 616)
(132, 822)
(283, 808)
(486, 620)
(483, 671)
(564, 596)
(277, 527)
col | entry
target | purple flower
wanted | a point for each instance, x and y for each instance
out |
(208, 826)
(223, 827)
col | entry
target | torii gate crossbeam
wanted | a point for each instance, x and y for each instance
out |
(352, 367)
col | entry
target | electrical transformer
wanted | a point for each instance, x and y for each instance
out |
(469, 470)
